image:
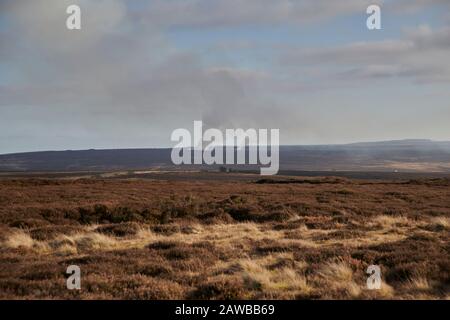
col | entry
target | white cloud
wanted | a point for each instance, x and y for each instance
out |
(421, 55)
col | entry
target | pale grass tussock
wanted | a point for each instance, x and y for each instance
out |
(385, 292)
(64, 244)
(440, 222)
(66, 250)
(289, 279)
(417, 283)
(286, 279)
(19, 239)
(337, 271)
(386, 221)
(22, 239)
(339, 276)
(62, 240)
(93, 240)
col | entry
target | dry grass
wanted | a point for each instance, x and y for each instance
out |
(337, 272)
(338, 277)
(94, 241)
(173, 240)
(18, 239)
(440, 223)
(391, 221)
(418, 283)
(285, 279)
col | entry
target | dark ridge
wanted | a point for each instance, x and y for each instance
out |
(390, 156)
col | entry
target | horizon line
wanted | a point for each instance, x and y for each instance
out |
(281, 145)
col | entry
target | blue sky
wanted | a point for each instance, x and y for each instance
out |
(140, 69)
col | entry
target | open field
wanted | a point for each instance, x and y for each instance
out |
(227, 238)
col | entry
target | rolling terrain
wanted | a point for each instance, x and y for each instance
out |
(390, 156)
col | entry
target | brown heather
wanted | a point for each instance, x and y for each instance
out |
(224, 239)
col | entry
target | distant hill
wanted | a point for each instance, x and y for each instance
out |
(401, 155)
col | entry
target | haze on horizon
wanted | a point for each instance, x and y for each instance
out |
(140, 69)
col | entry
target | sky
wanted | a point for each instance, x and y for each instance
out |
(137, 70)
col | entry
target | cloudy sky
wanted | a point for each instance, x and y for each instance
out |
(140, 69)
